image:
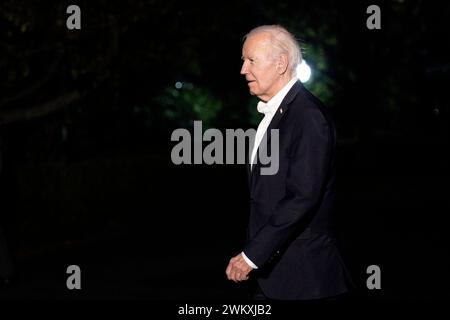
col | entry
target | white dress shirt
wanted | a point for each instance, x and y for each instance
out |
(269, 109)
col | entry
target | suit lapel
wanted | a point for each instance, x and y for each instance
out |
(281, 111)
(249, 172)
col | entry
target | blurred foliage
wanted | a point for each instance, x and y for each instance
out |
(185, 103)
(127, 53)
(73, 96)
(254, 117)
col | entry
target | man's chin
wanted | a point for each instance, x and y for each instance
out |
(252, 92)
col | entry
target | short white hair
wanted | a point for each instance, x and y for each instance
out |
(283, 42)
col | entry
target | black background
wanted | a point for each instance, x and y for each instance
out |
(86, 118)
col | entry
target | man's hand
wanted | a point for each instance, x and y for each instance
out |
(238, 269)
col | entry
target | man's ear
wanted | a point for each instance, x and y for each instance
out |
(282, 64)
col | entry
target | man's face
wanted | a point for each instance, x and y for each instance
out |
(259, 66)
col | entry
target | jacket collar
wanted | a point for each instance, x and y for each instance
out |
(284, 106)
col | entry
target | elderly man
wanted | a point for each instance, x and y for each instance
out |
(291, 249)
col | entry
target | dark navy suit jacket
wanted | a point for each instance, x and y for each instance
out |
(290, 233)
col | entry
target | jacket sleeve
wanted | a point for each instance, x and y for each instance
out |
(307, 174)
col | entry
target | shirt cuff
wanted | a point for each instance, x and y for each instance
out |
(249, 262)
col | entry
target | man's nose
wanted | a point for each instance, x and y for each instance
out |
(244, 68)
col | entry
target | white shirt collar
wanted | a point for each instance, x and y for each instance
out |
(276, 100)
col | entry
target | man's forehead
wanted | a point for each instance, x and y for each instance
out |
(256, 43)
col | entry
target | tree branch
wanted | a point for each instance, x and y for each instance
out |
(44, 109)
(38, 84)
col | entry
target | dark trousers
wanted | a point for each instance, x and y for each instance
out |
(259, 295)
